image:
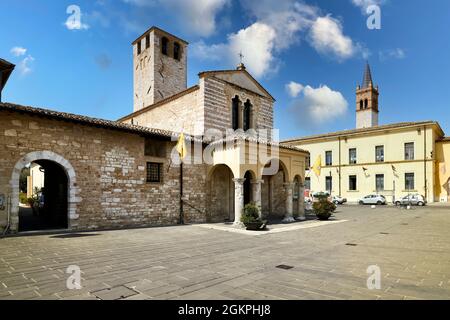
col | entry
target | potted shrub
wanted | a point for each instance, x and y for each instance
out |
(324, 208)
(250, 218)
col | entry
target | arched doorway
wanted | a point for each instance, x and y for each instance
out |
(221, 190)
(47, 193)
(57, 200)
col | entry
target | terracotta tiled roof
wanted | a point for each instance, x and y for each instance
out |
(160, 103)
(246, 137)
(107, 124)
(363, 131)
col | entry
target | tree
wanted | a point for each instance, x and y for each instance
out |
(23, 179)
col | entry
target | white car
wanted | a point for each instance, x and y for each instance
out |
(412, 199)
(339, 200)
(373, 199)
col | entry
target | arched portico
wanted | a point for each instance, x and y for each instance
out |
(72, 190)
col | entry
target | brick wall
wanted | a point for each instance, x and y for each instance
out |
(110, 171)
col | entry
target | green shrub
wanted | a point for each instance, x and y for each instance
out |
(250, 214)
(323, 209)
(23, 198)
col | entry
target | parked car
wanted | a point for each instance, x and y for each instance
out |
(412, 199)
(373, 199)
(339, 200)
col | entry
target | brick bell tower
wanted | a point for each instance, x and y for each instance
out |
(367, 102)
(159, 67)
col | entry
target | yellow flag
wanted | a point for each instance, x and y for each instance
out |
(181, 147)
(317, 167)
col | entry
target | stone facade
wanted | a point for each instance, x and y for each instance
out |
(107, 171)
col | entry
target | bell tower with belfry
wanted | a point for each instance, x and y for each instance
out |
(159, 67)
(367, 102)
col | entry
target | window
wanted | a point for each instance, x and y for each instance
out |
(147, 41)
(409, 181)
(164, 46)
(235, 113)
(155, 148)
(366, 104)
(329, 184)
(379, 154)
(308, 183)
(352, 183)
(361, 105)
(247, 115)
(139, 47)
(379, 182)
(352, 156)
(409, 151)
(308, 163)
(154, 171)
(328, 158)
(176, 51)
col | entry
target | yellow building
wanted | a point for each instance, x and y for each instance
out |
(393, 160)
(442, 191)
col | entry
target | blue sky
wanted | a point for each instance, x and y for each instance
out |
(320, 47)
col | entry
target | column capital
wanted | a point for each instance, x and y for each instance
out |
(257, 181)
(288, 185)
(239, 180)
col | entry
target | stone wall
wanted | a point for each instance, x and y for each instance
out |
(109, 172)
(181, 114)
(217, 98)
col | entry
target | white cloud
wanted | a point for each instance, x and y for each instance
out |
(319, 106)
(396, 53)
(327, 37)
(294, 89)
(18, 51)
(197, 16)
(279, 26)
(256, 43)
(24, 66)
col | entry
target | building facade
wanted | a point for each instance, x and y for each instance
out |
(101, 174)
(392, 160)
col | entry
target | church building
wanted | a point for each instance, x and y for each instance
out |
(393, 160)
(103, 174)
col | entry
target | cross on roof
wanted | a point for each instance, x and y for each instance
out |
(241, 56)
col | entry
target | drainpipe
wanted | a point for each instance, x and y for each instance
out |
(425, 161)
(340, 163)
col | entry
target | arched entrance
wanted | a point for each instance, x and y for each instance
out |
(273, 191)
(47, 187)
(221, 189)
(55, 204)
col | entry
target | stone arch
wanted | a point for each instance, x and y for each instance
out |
(72, 190)
(275, 164)
(221, 190)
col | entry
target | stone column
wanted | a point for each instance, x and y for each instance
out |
(238, 200)
(289, 217)
(271, 186)
(257, 194)
(301, 204)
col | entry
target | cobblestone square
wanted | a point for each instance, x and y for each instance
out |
(411, 247)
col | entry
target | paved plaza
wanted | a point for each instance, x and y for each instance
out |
(329, 261)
